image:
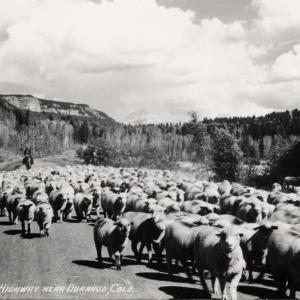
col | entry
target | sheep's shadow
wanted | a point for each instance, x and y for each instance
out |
(162, 277)
(5, 223)
(30, 236)
(73, 220)
(13, 231)
(260, 292)
(180, 292)
(106, 263)
(90, 263)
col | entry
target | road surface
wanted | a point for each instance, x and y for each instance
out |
(56, 267)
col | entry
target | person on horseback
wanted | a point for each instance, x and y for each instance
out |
(28, 153)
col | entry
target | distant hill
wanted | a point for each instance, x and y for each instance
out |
(141, 117)
(34, 104)
(48, 126)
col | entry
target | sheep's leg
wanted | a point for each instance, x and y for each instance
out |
(223, 289)
(233, 286)
(134, 250)
(187, 269)
(15, 219)
(88, 217)
(28, 229)
(292, 287)
(202, 279)
(61, 217)
(42, 230)
(141, 251)
(99, 253)
(47, 231)
(55, 218)
(158, 253)
(215, 284)
(150, 252)
(109, 252)
(250, 276)
(9, 217)
(281, 282)
(169, 263)
(23, 227)
(98, 211)
(261, 275)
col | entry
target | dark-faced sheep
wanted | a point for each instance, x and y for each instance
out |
(114, 236)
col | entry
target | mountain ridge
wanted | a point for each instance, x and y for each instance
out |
(35, 104)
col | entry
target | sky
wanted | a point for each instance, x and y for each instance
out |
(164, 57)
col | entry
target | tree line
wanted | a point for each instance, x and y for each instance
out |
(250, 139)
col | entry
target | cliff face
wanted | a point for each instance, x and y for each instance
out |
(31, 103)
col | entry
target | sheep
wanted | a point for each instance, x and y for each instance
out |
(43, 217)
(26, 211)
(114, 236)
(113, 204)
(83, 205)
(220, 253)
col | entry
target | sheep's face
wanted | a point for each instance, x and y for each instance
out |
(158, 222)
(88, 200)
(172, 208)
(16, 201)
(229, 239)
(124, 226)
(255, 209)
(26, 208)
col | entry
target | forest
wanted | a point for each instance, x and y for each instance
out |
(258, 139)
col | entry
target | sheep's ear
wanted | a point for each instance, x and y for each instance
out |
(218, 234)
(241, 234)
(274, 227)
(256, 228)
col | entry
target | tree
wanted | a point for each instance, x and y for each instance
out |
(84, 132)
(201, 146)
(226, 154)
(288, 164)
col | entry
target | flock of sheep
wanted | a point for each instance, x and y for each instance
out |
(225, 228)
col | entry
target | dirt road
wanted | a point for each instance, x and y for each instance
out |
(57, 266)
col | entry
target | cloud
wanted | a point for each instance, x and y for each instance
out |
(126, 55)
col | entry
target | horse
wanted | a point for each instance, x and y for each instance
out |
(27, 161)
